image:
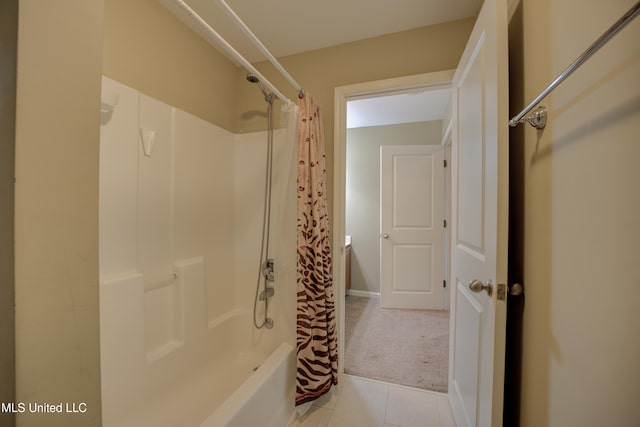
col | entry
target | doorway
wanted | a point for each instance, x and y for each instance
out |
(365, 286)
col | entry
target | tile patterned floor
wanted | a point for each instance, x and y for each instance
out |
(360, 402)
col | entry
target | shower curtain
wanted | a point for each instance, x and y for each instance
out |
(317, 357)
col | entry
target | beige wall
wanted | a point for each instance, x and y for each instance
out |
(575, 204)
(8, 51)
(56, 208)
(320, 71)
(362, 211)
(575, 184)
(422, 50)
(148, 48)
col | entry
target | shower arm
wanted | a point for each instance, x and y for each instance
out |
(261, 47)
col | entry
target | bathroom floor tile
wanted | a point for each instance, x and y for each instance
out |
(444, 410)
(329, 399)
(408, 407)
(359, 402)
(315, 417)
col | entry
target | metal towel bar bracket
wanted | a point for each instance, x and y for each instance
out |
(538, 118)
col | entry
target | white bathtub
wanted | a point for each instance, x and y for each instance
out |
(264, 399)
(229, 375)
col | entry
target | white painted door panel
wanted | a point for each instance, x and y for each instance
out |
(479, 221)
(411, 223)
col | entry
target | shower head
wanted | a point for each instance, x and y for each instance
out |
(254, 79)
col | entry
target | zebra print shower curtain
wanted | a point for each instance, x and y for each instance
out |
(317, 360)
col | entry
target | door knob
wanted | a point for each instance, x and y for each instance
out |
(477, 286)
(385, 236)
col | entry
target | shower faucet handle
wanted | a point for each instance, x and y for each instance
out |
(268, 270)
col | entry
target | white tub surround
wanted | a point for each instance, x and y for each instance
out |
(176, 238)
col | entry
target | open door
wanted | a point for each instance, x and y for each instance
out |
(479, 208)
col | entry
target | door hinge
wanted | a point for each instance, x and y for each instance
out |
(444, 162)
(445, 223)
(444, 283)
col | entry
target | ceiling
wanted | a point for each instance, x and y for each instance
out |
(410, 107)
(287, 27)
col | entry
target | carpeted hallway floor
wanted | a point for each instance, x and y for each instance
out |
(407, 347)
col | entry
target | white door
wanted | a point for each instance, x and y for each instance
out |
(479, 222)
(411, 226)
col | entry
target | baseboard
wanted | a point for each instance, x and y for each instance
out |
(364, 294)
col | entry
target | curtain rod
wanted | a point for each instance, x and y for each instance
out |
(224, 44)
(538, 118)
(260, 46)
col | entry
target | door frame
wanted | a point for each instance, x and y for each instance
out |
(342, 94)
